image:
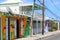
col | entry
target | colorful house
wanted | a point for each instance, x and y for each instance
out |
(15, 19)
(51, 24)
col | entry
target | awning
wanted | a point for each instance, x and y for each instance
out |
(37, 7)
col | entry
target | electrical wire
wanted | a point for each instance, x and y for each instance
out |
(54, 5)
(49, 10)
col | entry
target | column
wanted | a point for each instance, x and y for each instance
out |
(58, 25)
(15, 25)
(6, 28)
(37, 25)
(41, 26)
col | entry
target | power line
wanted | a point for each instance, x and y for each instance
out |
(54, 5)
(53, 13)
(51, 17)
(50, 11)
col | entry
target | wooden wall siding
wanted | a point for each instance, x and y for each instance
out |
(3, 17)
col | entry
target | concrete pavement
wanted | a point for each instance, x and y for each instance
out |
(39, 36)
(53, 37)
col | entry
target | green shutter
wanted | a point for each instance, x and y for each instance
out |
(27, 30)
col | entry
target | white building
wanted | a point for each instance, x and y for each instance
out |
(17, 7)
(37, 23)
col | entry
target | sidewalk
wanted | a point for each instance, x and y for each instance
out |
(34, 37)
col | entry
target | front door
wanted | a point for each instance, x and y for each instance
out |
(11, 33)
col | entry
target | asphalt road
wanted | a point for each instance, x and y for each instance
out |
(53, 37)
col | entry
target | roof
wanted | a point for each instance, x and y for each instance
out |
(47, 18)
(11, 1)
(37, 7)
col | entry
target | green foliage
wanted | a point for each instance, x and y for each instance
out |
(50, 30)
(54, 26)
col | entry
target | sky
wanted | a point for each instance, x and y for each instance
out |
(2, 0)
(50, 6)
(54, 7)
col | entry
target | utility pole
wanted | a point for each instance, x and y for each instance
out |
(43, 17)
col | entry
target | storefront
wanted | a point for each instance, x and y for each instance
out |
(13, 26)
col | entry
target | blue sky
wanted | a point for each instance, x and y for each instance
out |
(2, 0)
(50, 5)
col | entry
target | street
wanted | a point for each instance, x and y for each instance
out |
(53, 37)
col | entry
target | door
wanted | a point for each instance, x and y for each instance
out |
(34, 28)
(11, 33)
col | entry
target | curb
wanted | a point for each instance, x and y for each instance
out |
(49, 34)
(39, 36)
